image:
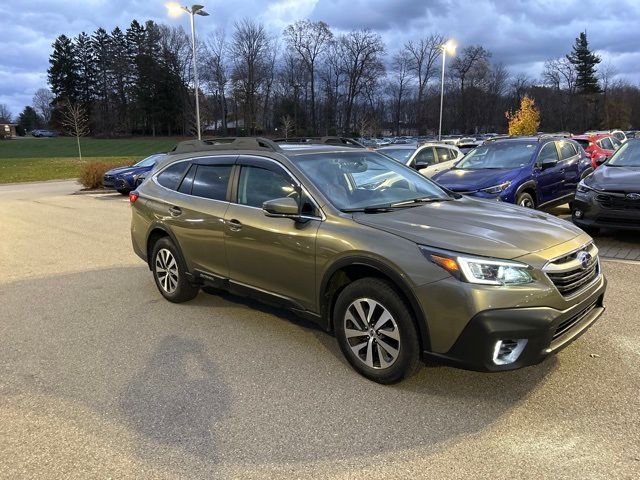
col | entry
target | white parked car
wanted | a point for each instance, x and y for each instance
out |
(428, 158)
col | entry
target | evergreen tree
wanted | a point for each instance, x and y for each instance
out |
(63, 69)
(29, 120)
(584, 62)
(86, 69)
(101, 51)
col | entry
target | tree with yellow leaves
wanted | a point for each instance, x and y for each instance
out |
(526, 120)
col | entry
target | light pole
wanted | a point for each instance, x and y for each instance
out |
(450, 48)
(176, 9)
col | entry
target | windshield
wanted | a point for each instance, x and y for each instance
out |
(400, 154)
(628, 155)
(501, 155)
(361, 179)
(150, 161)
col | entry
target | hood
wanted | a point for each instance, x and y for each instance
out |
(120, 170)
(477, 227)
(460, 180)
(615, 179)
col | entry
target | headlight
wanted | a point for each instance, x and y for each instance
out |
(485, 271)
(583, 188)
(497, 188)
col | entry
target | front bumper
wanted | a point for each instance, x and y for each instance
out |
(596, 214)
(547, 331)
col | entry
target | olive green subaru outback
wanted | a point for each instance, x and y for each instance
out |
(399, 268)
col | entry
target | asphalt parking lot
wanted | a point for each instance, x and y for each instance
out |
(100, 377)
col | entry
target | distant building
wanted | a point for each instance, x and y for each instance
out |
(7, 130)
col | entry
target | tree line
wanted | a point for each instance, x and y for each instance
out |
(311, 80)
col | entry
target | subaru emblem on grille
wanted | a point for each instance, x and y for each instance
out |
(585, 259)
(633, 196)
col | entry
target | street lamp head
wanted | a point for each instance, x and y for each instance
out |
(449, 47)
(198, 10)
(202, 13)
(175, 9)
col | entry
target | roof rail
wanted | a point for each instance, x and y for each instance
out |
(225, 143)
(349, 142)
(546, 136)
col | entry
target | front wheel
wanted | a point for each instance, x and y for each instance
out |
(525, 199)
(376, 332)
(169, 272)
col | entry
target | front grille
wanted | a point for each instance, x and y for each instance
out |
(617, 201)
(569, 323)
(575, 271)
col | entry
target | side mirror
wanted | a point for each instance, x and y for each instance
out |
(601, 160)
(281, 207)
(548, 163)
(421, 165)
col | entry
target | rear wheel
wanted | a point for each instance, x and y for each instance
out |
(169, 273)
(524, 199)
(375, 331)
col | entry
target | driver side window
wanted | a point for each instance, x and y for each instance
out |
(548, 153)
(424, 158)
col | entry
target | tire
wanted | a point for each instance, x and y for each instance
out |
(387, 354)
(174, 285)
(524, 199)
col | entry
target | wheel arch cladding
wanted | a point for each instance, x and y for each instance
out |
(347, 270)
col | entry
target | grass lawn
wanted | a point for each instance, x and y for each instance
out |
(34, 159)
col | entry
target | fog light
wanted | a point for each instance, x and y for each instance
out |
(508, 351)
(578, 213)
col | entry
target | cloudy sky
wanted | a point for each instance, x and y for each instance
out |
(520, 33)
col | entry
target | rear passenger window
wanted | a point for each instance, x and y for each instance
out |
(187, 181)
(567, 150)
(211, 181)
(171, 176)
(444, 154)
(606, 144)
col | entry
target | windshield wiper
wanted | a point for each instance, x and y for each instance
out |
(414, 201)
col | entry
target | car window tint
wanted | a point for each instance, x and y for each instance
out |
(616, 142)
(171, 176)
(567, 150)
(211, 181)
(257, 185)
(425, 156)
(606, 144)
(548, 153)
(444, 154)
(187, 181)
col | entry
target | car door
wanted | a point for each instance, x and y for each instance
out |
(570, 161)
(273, 255)
(548, 173)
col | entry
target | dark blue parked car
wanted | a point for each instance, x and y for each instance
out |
(123, 179)
(533, 172)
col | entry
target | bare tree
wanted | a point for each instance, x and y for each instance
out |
(361, 52)
(250, 49)
(42, 103)
(309, 40)
(470, 69)
(217, 72)
(5, 113)
(287, 125)
(424, 53)
(401, 64)
(560, 74)
(75, 122)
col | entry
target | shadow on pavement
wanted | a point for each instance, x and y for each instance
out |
(222, 379)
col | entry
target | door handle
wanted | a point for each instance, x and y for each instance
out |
(234, 225)
(175, 211)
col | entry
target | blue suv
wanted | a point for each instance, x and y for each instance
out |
(124, 179)
(533, 172)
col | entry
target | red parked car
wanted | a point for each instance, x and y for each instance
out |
(598, 146)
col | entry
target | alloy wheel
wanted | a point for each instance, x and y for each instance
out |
(526, 202)
(372, 333)
(167, 270)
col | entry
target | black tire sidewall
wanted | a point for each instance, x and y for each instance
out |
(520, 196)
(382, 292)
(184, 291)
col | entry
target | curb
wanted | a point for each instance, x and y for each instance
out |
(97, 191)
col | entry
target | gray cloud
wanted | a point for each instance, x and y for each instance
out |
(519, 33)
